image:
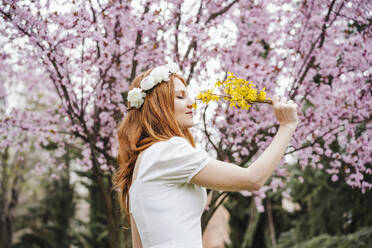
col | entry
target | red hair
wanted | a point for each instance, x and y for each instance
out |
(154, 121)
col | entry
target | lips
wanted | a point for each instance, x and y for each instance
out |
(189, 113)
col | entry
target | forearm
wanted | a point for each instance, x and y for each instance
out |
(261, 169)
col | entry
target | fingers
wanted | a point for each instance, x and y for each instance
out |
(292, 103)
(285, 110)
(275, 100)
(282, 102)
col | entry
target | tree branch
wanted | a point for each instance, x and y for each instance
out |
(178, 21)
(138, 43)
(221, 12)
(292, 92)
(213, 206)
(219, 155)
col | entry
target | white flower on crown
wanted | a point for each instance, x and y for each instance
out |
(160, 73)
(136, 97)
(147, 83)
(173, 68)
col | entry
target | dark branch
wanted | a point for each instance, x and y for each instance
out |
(219, 155)
(305, 63)
(178, 18)
(221, 12)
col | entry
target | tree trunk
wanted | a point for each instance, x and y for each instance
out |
(254, 218)
(7, 205)
(216, 201)
(6, 232)
(271, 223)
(112, 226)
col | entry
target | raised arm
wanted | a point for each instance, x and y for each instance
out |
(229, 177)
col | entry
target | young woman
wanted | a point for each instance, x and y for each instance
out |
(162, 178)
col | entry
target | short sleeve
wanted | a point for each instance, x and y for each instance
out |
(178, 162)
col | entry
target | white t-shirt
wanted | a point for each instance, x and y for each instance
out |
(164, 204)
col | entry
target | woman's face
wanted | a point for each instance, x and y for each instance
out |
(182, 105)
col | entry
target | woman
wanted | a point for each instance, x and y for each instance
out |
(162, 177)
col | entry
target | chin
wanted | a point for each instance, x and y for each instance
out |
(188, 124)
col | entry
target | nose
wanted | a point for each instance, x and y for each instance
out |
(189, 102)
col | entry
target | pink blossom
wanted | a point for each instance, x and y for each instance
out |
(78, 72)
(285, 194)
(245, 193)
(334, 178)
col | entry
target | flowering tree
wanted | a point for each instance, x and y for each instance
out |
(318, 53)
(78, 60)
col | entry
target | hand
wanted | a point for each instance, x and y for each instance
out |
(285, 112)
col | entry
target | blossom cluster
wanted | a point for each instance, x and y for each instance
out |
(72, 66)
(239, 92)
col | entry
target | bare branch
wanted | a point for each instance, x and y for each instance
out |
(138, 43)
(219, 155)
(178, 18)
(292, 92)
(221, 12)
(216, 201)
(193, 43)
(316, 140)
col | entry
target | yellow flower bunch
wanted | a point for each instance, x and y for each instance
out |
(239, 92)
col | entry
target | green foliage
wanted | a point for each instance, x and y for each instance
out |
(96, 235)
(48, 222)
(244, 220)
(266, 48)
(359, 239)
(97, 232)
(249, 228)
(360, 27)
(51, 222)
(331, 213)
(327, 207)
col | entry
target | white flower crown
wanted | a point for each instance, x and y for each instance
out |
(136, 96)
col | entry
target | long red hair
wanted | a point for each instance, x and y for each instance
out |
(153, 122)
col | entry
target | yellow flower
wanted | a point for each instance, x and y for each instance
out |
(262, 95)
(218, 84)
(239, 92)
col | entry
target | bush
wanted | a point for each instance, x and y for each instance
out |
(359, 239)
